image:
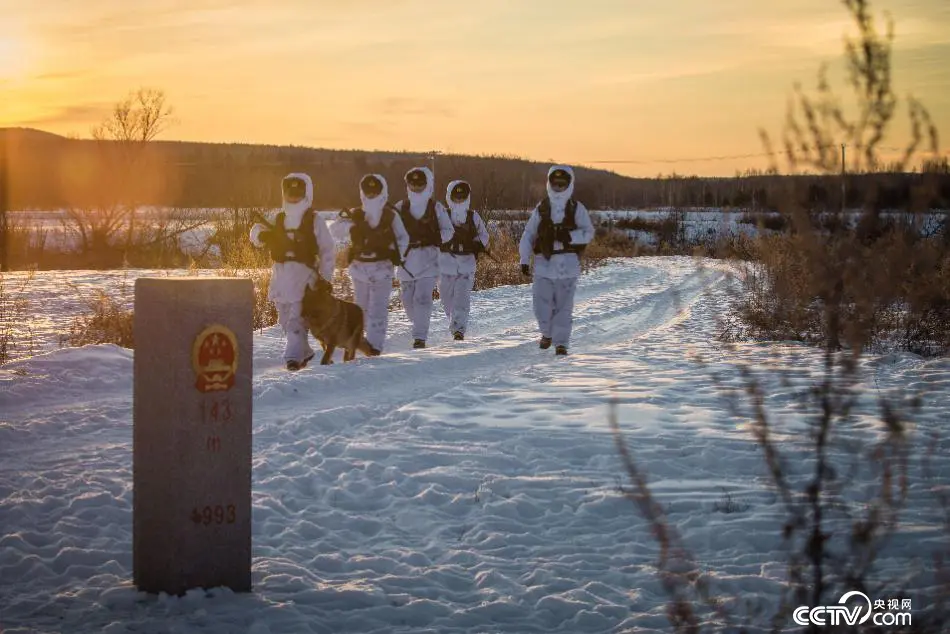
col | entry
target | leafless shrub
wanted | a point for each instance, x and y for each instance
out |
(502, 266)
(104, 220)
(880, 283)
(26, 244)
(16, 335)
(770, 221)
(847, 289)
(105, 320)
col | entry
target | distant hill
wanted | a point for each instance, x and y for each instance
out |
(48, 171)
(51, 171)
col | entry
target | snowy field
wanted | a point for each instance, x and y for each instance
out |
(476, 491)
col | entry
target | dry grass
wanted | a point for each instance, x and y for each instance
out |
(106, 320)
(242, 259)
(881, 289)
(667, 229)
(26, 244)
(16, 336)
(503, 266)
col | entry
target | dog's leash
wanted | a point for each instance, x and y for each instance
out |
(406, 269)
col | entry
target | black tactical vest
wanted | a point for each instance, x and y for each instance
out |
(295, 245)
(423, 232)
(544, 242)
(372, 244)
(465, 240)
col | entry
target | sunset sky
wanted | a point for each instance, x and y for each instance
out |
(576, 81)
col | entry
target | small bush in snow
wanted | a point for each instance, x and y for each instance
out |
(15, 332)
(106, 320)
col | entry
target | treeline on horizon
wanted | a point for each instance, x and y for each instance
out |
(47, 171)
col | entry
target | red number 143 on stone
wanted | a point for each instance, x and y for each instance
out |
(217, 411)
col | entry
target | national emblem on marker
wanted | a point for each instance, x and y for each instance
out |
(214, 358)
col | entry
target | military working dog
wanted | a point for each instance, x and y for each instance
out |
(335, 323)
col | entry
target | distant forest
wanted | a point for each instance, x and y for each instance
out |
(46, 171)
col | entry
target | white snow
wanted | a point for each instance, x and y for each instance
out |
(476, 490)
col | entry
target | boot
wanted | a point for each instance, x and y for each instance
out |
(545, 343)
(293, 366)
(561, 350)
(419, 343)
(458, 336)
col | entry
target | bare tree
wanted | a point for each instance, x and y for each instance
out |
(115, 182)
(137, 119)
(134, 121)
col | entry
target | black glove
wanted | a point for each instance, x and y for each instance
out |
(525, 269)
(265, 236)
(563, 235)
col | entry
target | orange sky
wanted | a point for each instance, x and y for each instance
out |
(576, 82)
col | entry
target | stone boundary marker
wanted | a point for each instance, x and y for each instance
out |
(191, 440)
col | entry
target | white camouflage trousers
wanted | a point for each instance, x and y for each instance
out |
(373, 298)
(554, 307)
(417, 300)
(295, 329)
(456, 294)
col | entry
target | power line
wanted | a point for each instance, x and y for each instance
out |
(697, 159)
(432, 154)
(923, 154)
(676, 160)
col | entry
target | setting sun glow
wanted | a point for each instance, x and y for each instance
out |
(13, 58)
(655, 85)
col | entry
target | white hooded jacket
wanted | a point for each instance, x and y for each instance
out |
(450, 263)
(424, 261)
(290, 279)
(561, 265)
(373, 210)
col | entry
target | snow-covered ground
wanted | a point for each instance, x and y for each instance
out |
(476, 490)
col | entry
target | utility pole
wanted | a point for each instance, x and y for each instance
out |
(432, 156)
(843, 186)
(4, 203)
